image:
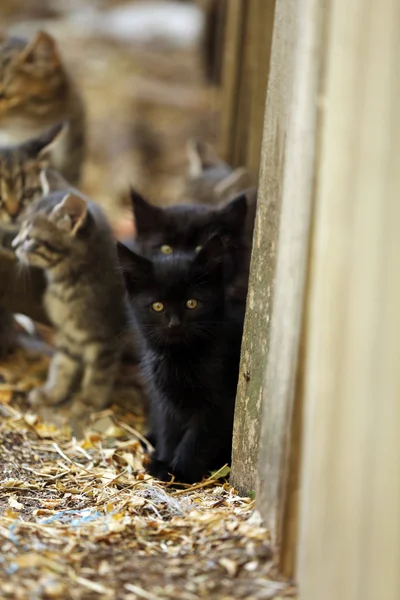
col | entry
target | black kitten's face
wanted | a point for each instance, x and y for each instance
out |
(186, 228)
(177, 299)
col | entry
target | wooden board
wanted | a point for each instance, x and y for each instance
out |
(349, 545)
(248, 38)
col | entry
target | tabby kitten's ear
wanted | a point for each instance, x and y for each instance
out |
(41, 52)
(135, 269)
(52, 181)
(201, 156)
(42, 144)
(148, 218)
(70, 214)
(233, 214)
(239, 179)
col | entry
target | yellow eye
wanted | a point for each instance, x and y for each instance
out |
(157, 306)
(197, 249)
(192, 303)
(166, 249)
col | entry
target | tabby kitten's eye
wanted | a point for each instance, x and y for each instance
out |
(192, 303)
(197, 249)
(157, 306)
(166, 249)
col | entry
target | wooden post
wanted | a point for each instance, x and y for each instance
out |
(259, 309)
(350, 482)
(268, 373)
(248, 38)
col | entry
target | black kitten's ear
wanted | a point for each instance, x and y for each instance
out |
(43, 143)
(135, 268)
(148, 218)
(211, 256)
(233, 215)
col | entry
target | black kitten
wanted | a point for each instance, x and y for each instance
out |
(188, 227)
(192, 358)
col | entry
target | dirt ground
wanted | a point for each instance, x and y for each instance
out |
(81, 519)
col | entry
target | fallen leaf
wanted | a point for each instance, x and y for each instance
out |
(230, 566)
(221, 473)
(13, 502)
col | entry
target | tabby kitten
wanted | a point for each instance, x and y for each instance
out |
(35, 92)
(192, 357)
(68, 237)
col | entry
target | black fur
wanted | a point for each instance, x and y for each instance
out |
(192, 357)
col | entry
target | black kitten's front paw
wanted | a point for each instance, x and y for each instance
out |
(193, 473)
(158, 469)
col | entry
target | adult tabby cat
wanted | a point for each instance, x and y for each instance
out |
(68, 237)
(35, 92)
(192, 357)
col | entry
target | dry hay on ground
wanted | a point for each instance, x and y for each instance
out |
(82, 520)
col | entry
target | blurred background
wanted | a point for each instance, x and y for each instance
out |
(148, 76)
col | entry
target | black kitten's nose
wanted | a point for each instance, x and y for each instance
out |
(174, 321)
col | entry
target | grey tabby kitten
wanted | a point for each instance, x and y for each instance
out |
(37, 91)
(68, 237)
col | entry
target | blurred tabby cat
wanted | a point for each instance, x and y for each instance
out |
(35, 92)
(20, 186)
(68, 237)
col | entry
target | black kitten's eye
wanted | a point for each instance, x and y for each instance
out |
(197, 249)
(165, 249)
(192, 303)
(157, 306)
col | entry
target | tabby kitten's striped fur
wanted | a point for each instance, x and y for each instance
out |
(35, 92)
(68, 237)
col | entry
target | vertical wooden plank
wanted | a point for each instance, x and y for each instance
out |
(230, 75)
(277, 490)
(261, 21)
(269, 353)
(350, 508)
(248, 38)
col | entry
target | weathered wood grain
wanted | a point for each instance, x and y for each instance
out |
(349, 543)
